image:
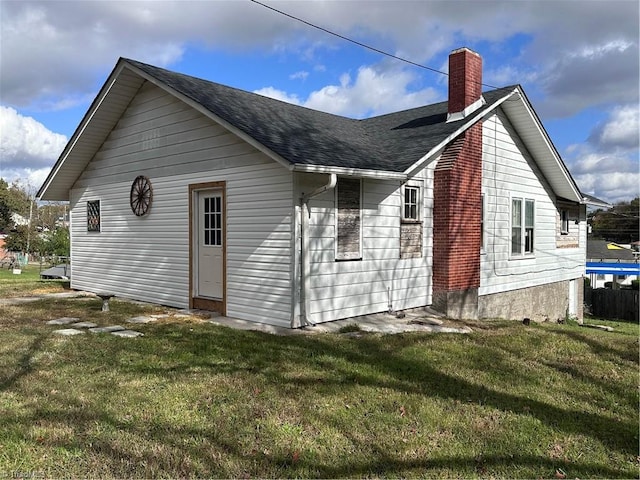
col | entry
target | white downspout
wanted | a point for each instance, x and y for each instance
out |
(304, 248)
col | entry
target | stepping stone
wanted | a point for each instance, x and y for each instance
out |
(141, 319)
(109, 329)
(69, 331)
(62, 321)
(127, 333)
(83, 325)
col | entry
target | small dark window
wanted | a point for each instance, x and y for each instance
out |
(564, 222)
(93, 216)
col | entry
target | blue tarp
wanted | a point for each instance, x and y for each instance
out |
(614, 268)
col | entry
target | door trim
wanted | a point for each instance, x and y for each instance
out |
(196, 302)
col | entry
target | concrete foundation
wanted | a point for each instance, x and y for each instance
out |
(549, 302)
(460, 305)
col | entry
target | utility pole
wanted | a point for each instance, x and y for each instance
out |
(29, 228)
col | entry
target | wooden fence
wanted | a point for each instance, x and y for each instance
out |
(611, 304)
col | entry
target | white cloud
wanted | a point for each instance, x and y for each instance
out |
(27, 148)
(25, 142)
(301, 75)
(373, 92)
(73, 44)
(608, 165)
(278, 95)
(613, 187)
(623, 128)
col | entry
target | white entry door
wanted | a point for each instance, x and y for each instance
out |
(210, 263)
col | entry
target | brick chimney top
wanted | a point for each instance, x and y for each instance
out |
(465, 83)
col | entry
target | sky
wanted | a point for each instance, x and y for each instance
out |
(578, 62)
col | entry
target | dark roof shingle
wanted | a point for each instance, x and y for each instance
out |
(299, 135)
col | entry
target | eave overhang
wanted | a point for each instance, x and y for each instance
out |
(594, 202)
(537, 141)
(101, 117)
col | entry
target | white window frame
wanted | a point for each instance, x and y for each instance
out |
(417, 204)
(523, 227)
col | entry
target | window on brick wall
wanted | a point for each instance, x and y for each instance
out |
(93, 216)
(522, 226)
(348, 219)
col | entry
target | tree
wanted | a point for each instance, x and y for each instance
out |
(50, 216)
(14, 198)
(57, 242)
(619, 223)
(18, 239)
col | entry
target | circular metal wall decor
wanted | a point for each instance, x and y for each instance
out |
(141, 195)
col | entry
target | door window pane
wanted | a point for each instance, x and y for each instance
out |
(212, 221)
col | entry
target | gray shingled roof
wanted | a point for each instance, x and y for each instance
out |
(392, 142)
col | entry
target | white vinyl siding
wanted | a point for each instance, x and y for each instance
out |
(381, 280)
(510, 173)
(147, 257)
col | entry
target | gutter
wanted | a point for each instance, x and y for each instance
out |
(593, 201)
(304, 249)
(350, 172)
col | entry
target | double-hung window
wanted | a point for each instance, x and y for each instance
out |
(411, 205)
(522, 226)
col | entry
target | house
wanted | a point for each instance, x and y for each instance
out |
(193, 194)
(611, 263)
(18, 220)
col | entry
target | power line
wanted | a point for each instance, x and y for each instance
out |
(364, 45)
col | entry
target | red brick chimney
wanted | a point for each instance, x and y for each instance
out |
(458, 197)
(465, 79)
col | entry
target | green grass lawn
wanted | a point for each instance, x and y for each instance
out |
(191, 399)
(28, 282)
